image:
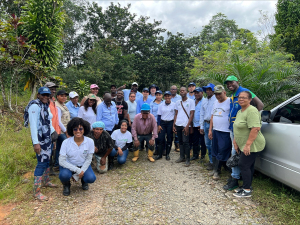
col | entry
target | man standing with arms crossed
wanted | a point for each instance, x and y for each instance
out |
(184, 114)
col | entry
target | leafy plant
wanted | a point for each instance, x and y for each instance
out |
(82, 88)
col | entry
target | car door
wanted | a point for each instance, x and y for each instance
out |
(281, 157)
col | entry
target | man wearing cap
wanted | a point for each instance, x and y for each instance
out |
(219, 131)
(134, 88)
(103, 146)
(152, 90)
(122, 107)
(205, 116)
(143, 100)
(175, 98)
(233, 85)
(191, 89)
(113, 91)
(144, 128)
(198, 138)
(73, 104)
(184, 115)
(94, 90)
(107, 113)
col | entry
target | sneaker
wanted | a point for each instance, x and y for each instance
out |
(231, 185)
(243, 194)
(240, 188)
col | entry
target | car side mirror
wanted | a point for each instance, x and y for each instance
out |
(265, 116)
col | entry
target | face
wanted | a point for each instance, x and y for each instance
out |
(91, 102)
(183, 92)
(78, 131)
(221, 96)
(173, 90)
(120, 95)
(198, 95)
(61, 98)
(191, 88)
(209, 92)
(134, 87)
(232, 85)
(107, 100)
(123, 127)
(97, 131)
(168, 98)
(53, 91)
(113, 90)
(44, 98)
(145, 114)
(243, 99)
(153, 90)
(94, 91)
(74, 100)
(158, 96)
(145, 94)
(132, 97)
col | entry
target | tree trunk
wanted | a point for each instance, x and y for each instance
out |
(33, 93)
(17, 89)
(3, 91)
(10, 91)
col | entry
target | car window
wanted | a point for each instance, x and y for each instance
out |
(290, 113)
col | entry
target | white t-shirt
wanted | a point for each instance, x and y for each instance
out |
(121, 138)
(220, 112)
(76, 155)
(88, 115)
(189, 105)
(167, 112)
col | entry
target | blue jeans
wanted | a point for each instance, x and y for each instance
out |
(59, 142)
(235, 171)
(120, 158)
(207, 140)
(66, 174)
(40, 168)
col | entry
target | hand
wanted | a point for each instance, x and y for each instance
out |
(174, 130)
(96, 149)
(120, 152)
(136, 143)
(103, 161)
(124, 86)
(201, 131)
(236, 147)
(210, 135)
(81, 174)
(246, 150)
(129, 123)
(37, 148)
(54, 136)
(186, 130)
(151, 142)
(159, 129)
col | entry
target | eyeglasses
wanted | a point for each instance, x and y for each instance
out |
(76, 129)
(45, 95)
(243, 98)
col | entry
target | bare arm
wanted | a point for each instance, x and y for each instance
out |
(82, 101)
(175, 117)
(121, 88)
(252, 136)
(258, 103)
(210, 128)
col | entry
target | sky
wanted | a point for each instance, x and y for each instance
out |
(188, 17)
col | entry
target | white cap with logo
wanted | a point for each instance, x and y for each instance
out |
(73, 94)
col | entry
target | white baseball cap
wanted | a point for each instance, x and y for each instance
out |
(135, 83)
(73, 94)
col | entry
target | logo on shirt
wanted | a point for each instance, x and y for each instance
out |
(85, 152)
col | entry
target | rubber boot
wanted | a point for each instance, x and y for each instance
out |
(66, 188)
(217, 168)
(196, 150)
(46, 179)
(37, 189)
(110, 162)
(177, 149)
(136, 155)
(159, 152)
(214, 165)
(182, 157)
(168, 149)
(150, 155)
(187, 157)
(85, 186)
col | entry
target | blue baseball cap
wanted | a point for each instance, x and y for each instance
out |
(198, 89)
(192, 83)
(146, 89)
(145, 107)
(167, 93)
(44, 90)
(158, 92)
(210, 85)
(98, 124)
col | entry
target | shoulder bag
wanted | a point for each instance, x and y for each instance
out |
(191, 127)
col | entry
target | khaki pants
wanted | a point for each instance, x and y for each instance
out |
(100, 168)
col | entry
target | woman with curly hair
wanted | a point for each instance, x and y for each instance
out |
(88, 111)
(76, 155)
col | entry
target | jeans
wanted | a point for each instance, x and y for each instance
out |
(183, 143)
(142, 138)
(196, 139)
(66, 174)
(221, 145)
(176, 141)
(59, 142)
(235, 171)
(120, 158)
(207, 140)
(40, 168)
(246, 164)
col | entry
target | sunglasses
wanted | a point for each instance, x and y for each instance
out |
(76, 129)
(45, 95)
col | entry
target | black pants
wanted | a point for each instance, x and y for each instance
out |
(197, 139)
(246, 165)
(183, 143)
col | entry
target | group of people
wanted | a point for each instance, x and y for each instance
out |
(123, 119)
